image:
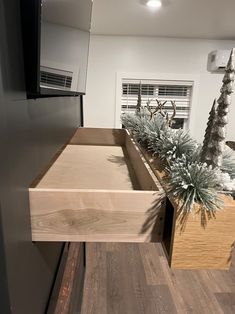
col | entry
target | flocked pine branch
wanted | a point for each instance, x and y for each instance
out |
(136, 124)
(153, 129)
(195, 182)
(190, 180)
(130, 121)
(156, 124)
(172, 144)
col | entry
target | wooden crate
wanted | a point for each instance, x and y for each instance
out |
(190, 245)
(99, 187)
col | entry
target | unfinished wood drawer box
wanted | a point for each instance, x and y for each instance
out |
(99, 188)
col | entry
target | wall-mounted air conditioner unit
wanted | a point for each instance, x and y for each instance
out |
(217, 60)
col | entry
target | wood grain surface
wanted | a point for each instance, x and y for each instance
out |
(210, 247)
(200, 243)
(88, 215)
(93, 193)
(99, 136)
(90, 167)
(136, 279)
(146, 177)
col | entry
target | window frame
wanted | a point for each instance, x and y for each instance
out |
(193, 78)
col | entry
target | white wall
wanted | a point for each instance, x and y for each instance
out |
(110, 55)
(65, 48)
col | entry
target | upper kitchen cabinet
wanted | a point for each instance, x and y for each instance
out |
(56, 37)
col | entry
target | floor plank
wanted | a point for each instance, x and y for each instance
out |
(151, 262)
(130, 278)
(227, 302)
(95, 287)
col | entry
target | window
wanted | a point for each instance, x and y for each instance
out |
(178, 91)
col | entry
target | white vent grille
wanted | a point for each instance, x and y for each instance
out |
(55, 78)
(177, 91)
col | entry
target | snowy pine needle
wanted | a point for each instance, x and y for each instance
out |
(195, 182)
(172, 144)
(190, 180)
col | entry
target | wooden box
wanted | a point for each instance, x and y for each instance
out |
(208, 247)
(98, 188)
(193, 245)
(103, 187)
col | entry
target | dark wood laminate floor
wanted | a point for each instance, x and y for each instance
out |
(135, 279)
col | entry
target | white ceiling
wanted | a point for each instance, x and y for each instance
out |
(211, 19)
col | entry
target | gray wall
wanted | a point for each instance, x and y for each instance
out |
(31, 131)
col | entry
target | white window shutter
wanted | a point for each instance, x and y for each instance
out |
(178, 91)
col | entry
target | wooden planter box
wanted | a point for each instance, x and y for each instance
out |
(190, 245)
(98, 188)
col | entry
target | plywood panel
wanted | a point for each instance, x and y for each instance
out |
(90, 167)
(99, 136)
(145, 175)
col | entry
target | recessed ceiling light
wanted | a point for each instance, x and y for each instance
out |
(154, 3)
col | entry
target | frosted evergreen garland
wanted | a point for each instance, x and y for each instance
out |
(155, 126)
(216, 147)
(137, 123)
(194, 182)
(172, 144)
(158, 137)
(205, 153)
(191, 180)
